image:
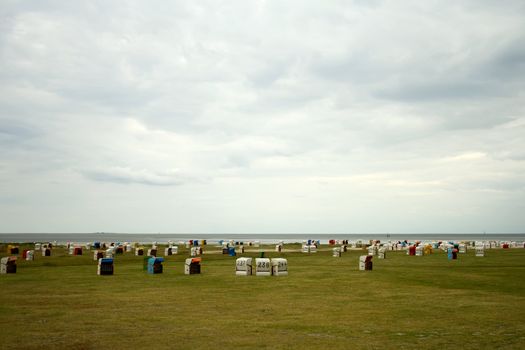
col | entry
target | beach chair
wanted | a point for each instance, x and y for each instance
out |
(263, 267)
(381, 253)
(365, 262)
(105, 266)
(155, 265)
(192, 266)
(110, 252)
(171, 250)
(419, 250)
(30, 255)
(13, 250)
(152, 252)
(196, 251)
(231, 251)
(8, 265)
(243, 266)
(480, 251)
(279, 267)
(336, 252)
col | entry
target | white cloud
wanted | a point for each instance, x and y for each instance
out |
(466, 156)
(140, 176)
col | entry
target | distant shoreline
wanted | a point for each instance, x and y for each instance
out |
(263, 238)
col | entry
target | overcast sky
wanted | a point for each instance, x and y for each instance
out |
(262, 116)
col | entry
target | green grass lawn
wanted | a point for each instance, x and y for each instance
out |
(406, 302)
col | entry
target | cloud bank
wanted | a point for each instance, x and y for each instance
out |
(261, 116)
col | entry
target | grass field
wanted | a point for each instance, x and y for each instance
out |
(406, 302)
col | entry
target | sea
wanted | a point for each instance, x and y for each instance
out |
(265, 238)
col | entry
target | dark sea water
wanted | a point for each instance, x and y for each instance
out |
(263, 238)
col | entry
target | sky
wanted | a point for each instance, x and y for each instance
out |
(262, 116)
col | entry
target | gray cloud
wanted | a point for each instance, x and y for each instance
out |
(11, 130)
(130, 176)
